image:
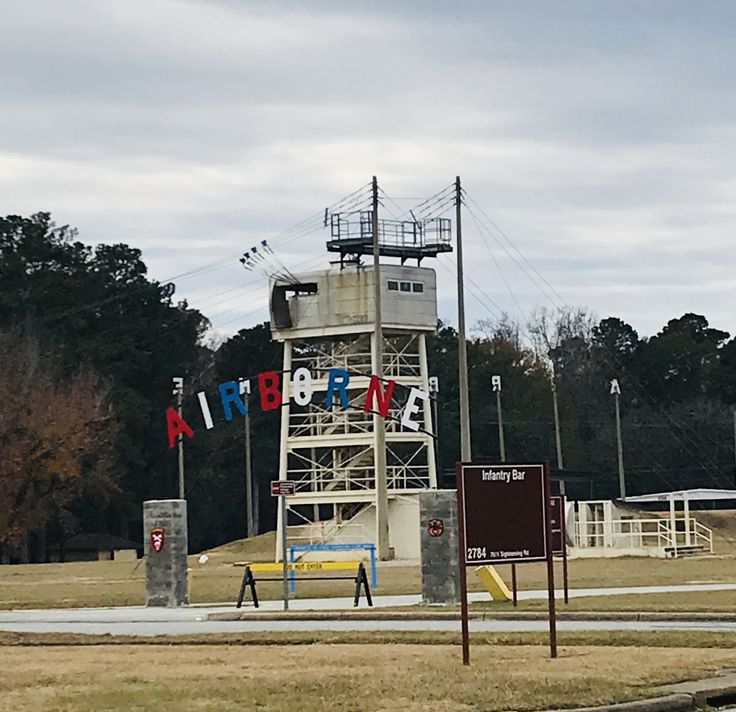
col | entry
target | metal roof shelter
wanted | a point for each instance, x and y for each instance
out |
(701, 494)
(690, 495)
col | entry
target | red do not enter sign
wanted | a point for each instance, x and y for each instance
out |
(504, 513)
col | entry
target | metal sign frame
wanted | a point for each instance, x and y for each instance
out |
(282, 489)
(462, 560)
(561, 501)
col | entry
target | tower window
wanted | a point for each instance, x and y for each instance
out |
(393, 285)
(405, 286)
(417, 287)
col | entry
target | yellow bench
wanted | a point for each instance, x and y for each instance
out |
(302, 566)
(249, 580)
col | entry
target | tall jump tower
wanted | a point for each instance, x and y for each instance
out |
(326, 319)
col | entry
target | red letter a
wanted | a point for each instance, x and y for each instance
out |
(384, 399)
(268, 388)
(176, 425)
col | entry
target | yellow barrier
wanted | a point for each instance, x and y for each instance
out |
(306, 566)
(493, 582)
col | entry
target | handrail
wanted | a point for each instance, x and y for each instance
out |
(664, 533)
(703, 532)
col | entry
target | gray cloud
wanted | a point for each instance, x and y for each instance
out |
(599, 136)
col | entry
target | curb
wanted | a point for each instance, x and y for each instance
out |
(716, 691)
(377, 615)
(668, 703)
(613, 616)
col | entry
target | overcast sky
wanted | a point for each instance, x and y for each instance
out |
(599, 136)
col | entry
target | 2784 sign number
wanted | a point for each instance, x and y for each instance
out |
(476, 553)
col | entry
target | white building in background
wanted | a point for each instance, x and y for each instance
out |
(615, 528)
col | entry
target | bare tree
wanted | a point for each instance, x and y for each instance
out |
(504, 328)
(549, 329)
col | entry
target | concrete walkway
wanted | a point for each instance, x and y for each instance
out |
(343, 603)
(188, 621)
(138, 620)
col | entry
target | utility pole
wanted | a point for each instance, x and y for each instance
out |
(250, 529)
(379, 424)
(496, 388)
(558, 439)
(462, 352)
(179, 393)
(616, 392)
(734, 442)
(250, 518)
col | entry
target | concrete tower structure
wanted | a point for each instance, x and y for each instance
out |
(325, 320)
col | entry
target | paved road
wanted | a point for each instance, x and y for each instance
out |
(151, 621)
(137, 620)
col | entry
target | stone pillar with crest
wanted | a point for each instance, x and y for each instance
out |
(165, 546)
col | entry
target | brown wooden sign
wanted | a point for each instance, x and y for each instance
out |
(504, 513)
(557, 523)
(503, 518)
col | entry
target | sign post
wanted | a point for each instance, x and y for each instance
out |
(559, 538)
(550, 569)
(462, 545)
(503, 518)
(281, 489)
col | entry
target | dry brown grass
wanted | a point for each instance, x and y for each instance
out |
(336, 677)
(627, 571)
(585, 638)
(689, 602)
(112, 583)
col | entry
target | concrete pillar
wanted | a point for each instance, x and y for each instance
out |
(608, 528)
(582, 526)
(439, 541)
(165, 547)
(673, 525)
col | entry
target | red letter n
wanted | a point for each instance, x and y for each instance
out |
(383, 398)
(268, 388)
(176, 425)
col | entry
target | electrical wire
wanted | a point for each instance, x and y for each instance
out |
(683, 435)
(498, 267)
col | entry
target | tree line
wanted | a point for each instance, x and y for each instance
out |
(89, 344)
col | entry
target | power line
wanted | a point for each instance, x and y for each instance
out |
(683, 434)
(498, 266)
(663, 469)
(518, 252)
